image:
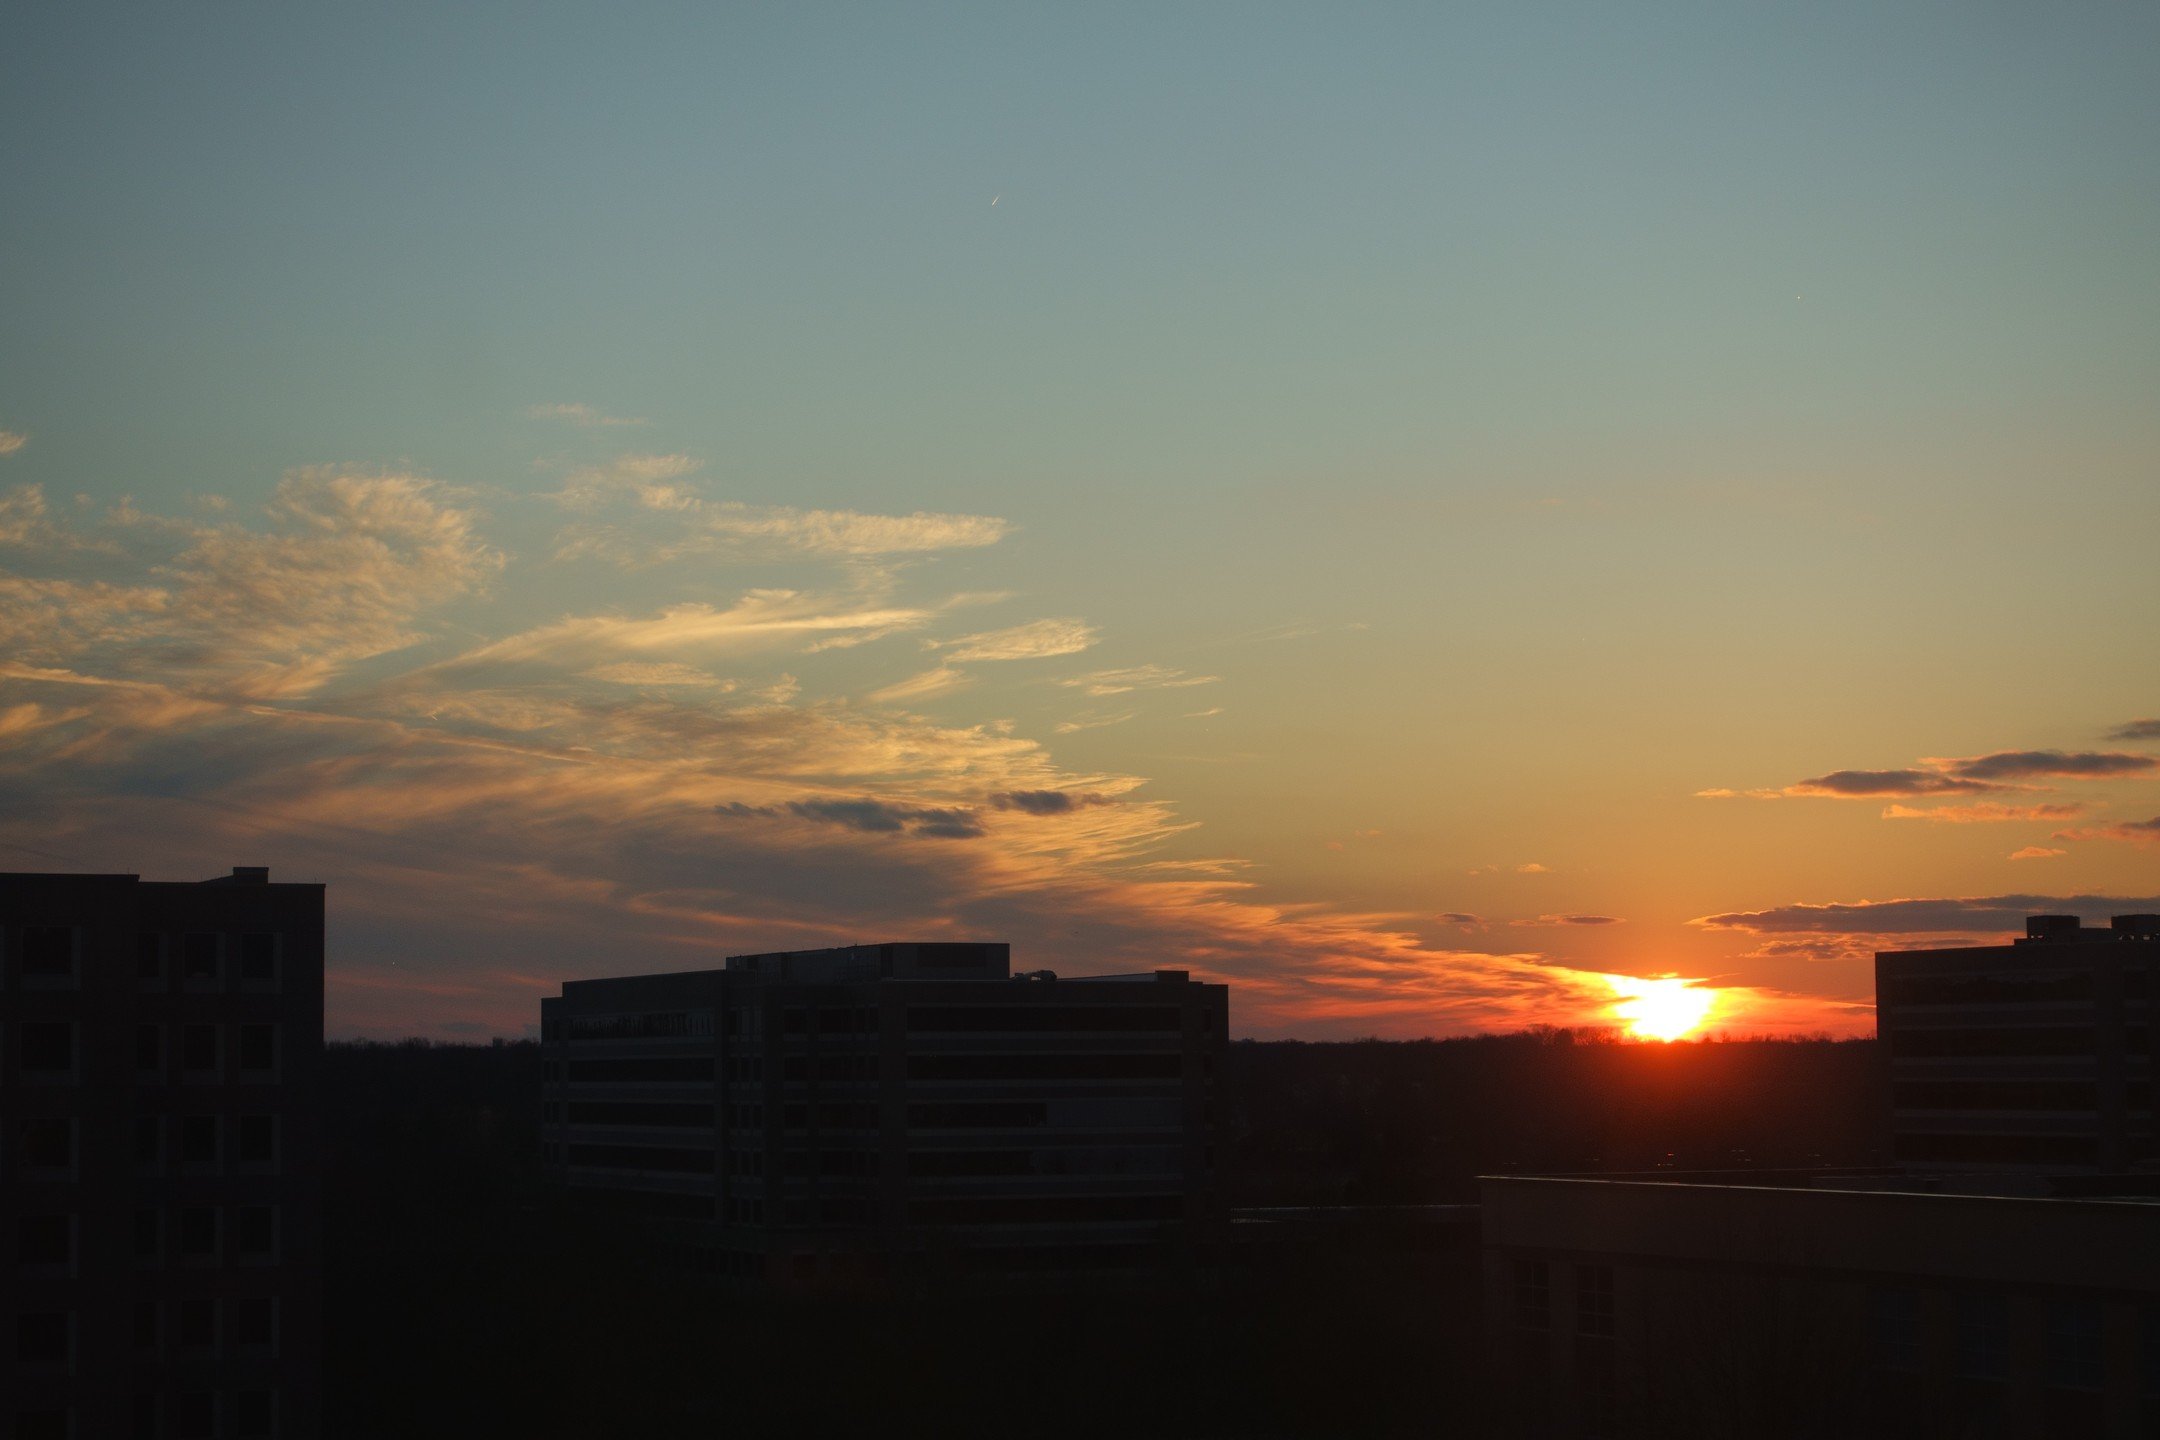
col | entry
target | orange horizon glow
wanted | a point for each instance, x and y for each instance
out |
(1661, 1009)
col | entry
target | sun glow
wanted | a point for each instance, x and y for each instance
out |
(1660, 1009)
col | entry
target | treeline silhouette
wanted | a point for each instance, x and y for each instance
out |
(468, 1296)
(1372, 1122)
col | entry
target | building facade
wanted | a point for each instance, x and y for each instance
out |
(859, 1115)
(2036, 1055)
(159, 1195)
(1630, 1307)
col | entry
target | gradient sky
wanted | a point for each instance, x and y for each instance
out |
(1412, 512)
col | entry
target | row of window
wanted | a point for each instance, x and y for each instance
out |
(646, 1025)
(50, 1148)
(187, 1234)
(2007, 1040)
(2001, 1149)
(192, 1325)
(51, 1050)
(2073, 1351)
(184, 1415)
(1045, 1209)
(1025, 1066)
(49, 956)
(828, 1210)
(2070, 1095)
(1595, 1312)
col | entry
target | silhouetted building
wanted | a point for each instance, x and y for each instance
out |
(2034, 1055)
(1819, 1306)
(159, 1048)
(839, 1116)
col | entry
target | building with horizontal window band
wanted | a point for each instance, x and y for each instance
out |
(1794, 1305)
(2035, 1055)
(854, 1116)
(159, 1193)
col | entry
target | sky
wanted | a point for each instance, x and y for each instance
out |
(1430, 515)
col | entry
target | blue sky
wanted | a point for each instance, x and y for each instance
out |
(1507, 423)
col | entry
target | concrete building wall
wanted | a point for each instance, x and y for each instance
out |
(1633, 1308)
(160, 1048)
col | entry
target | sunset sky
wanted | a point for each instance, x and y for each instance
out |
(1413, 513)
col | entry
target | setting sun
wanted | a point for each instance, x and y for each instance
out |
(1660, 1009)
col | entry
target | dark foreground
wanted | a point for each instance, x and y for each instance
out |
(465, 1298)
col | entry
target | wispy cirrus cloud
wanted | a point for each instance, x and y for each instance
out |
(1947, 916)
(579, 413)
(2054, 764)
(346, 563)
(2037, 852)
(332, 684)
(12, 441)
(2135, 832)
(924, 684)
(2136, 730)
(1135, 677)
(1035, 640)
(640, 510)
(1993, 773)
(1562, 921)
(1872, 784)
(1048, 802)
(1982, 814)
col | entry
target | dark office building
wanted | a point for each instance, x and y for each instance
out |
(847, 1117)
(2035, 1055)
(159, 1203)
(1823, 1305)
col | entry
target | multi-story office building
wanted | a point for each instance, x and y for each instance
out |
(159, 1201)
(2035, 1055)
(1819, 1306)
(840, 1116)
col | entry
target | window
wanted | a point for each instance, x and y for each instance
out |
(199, 1048)
(255, 1139)
(255, 1231)
(195, 1323)
(2074, 1359)
(49, 1144)
(199, 959)
(195, 1416)
(1897, 1329)
(48, 1047)
(150, 1049)
(149, 1236)
(254, 1321)
(44, 1424)
(45, 1240)
(198, 1139)
(198, 1232)
(1533, 1295)
(48, 952)
(149, 957)
(254, 1413)
(1983, 1337)
(42, 1336)
(1594, 1300)
(149, 1139)
(258, 959)
(258, 1047)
